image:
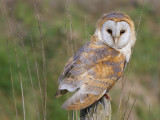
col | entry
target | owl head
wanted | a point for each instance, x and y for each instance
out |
(116, 29)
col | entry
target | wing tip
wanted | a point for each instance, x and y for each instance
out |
(57, 94)
(60, 93)
(69, 107)
(71, 104)
(64, 106)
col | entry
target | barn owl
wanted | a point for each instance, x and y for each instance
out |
(96, 67)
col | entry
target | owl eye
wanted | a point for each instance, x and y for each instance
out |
(122, 31)
(109, 31)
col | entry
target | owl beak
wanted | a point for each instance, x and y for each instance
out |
(116, 41)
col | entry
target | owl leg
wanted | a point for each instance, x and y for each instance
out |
(108, 96)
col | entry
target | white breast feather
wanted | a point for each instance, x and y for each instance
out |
(126, 51)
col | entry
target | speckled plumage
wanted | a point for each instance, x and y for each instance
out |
(94, 69)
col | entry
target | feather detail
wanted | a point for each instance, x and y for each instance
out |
(95, 68)
(60, 93)
(81, 100)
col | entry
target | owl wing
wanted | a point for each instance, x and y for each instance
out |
(92, 71)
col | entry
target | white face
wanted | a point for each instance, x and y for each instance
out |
(116, 34)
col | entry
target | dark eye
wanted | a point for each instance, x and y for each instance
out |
(109, 31)
(122, 31)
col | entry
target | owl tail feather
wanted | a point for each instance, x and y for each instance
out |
(81, 100)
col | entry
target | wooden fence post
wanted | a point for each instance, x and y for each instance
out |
(101, 110)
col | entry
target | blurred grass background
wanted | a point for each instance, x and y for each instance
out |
(66, 25)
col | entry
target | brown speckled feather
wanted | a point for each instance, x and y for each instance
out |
(92, 71)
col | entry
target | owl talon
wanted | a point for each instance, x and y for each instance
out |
(108, 96)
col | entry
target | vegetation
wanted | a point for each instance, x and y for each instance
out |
(67, 25)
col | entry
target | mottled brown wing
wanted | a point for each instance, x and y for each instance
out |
(67, 68)
(94, 70)
(79, 101)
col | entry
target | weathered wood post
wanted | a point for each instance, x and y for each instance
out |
(101, 110)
